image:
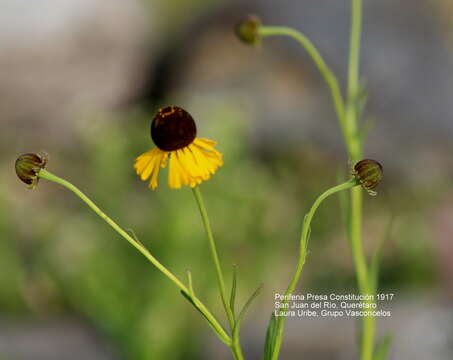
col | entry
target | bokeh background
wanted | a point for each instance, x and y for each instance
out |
(82, 79)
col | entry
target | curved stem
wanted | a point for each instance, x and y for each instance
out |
(223, 336)
(303, 253)
(235, 346)
(326, 72)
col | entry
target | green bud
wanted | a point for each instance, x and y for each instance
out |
(369, 174)
(248, 30)
(28, 167)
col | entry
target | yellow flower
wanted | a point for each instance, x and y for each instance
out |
(192, 160)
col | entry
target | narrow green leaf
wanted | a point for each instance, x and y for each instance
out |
(270, 337)
(132, 233)
(189, 278)
(308, 234)
(308, 239)
(382, 349)
(233, 291)
(189, 299)
(237, 326)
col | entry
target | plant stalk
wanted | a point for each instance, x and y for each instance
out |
(348, 120)
(223, 336)
(235, 346)
(355, 154)
(328, 75)
(303, 254)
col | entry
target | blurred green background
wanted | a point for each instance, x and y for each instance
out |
(82, 82)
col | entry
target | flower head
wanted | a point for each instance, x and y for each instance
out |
(248, 30)
(369, 174)
(192, 159)
(28, 167)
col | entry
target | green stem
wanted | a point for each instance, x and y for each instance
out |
(303, 253)
(348, 120)
(355, 236)
(367, 338)
(354, 49)
(355, 153)
(237, 350)
(224, 337)
(326, 72)
(360, 263)
(354, 143)
(235, 346)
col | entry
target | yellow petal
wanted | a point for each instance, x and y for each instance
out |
(189, 166)
(142, 161)
(149, 163)
(205, 142)
(174, 177)
(201, 159)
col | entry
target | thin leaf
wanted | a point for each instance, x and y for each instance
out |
(189, 278)
(270, 337)
(189, 299)
(308, 234)
(132, 233)
(233, 291)
(382, 350)
(308, 239)
(237, 326)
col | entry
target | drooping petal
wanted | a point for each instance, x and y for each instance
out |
(149, 163)
(208, 146)
(202, 159)
(189, 166)
(174, 174)
(205, 142)
(142, 161)
(211, 154)
(194, 164)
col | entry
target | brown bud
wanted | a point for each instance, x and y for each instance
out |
(248, 30)
(28, 167)
(369, 173)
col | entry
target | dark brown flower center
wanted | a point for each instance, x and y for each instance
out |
(173, 128)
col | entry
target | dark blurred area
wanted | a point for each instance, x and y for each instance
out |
(82, 80)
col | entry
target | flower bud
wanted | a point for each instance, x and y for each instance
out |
(248, 30)
(28, 167)
(369, 174)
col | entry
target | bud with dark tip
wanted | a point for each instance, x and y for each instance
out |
(248, 30)
(369, 174)
(28, 167)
